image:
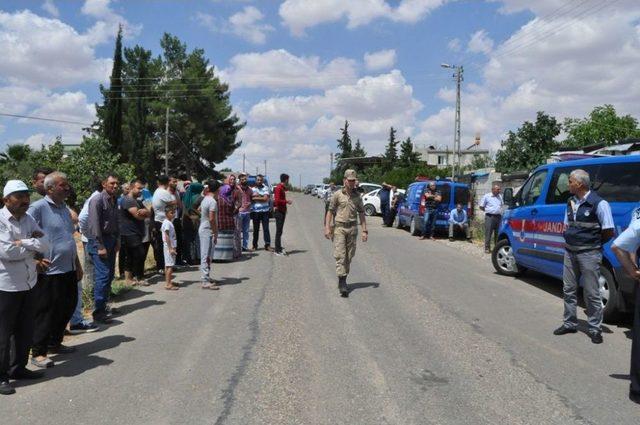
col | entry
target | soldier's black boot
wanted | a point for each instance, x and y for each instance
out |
(342, 286)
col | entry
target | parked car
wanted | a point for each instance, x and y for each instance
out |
(308, 188)
(531, 232)
(314, 191)
(371, 202)
(321, 190)
(368, 187)
(409, 210)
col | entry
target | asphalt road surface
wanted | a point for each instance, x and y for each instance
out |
(429, 335)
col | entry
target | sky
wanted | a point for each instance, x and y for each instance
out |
(297, 69)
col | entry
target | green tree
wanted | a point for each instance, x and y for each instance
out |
(529, 146)
(94, 158)
(480, 161)
(345, 150)
(391, 151)
(407, 155)
(358, 150)
(603, 125)
(110, 113)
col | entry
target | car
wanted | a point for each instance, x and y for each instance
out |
(531, 232)
(409, 209)
(368, 187)
(371, 202)
(322, 190)
(314, 191)
(308, 188)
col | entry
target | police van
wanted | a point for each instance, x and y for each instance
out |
(531, 232)
(409, 214)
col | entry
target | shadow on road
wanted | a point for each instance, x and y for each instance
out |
(82, 360)
(230, 280)
(361, 285)
(296, 251)
(130, 308)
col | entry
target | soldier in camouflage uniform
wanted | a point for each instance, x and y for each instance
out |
(345, 206)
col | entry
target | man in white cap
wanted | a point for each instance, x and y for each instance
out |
(21, 243)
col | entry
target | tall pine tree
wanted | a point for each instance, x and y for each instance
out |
(407, 155)
(358, 150)
(111, 112)
(391, 152)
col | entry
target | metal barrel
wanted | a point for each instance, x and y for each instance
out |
(223, 250)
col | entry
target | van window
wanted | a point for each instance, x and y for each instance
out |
(559, 187)
(618, 182)
(532, 188)
(461, 195)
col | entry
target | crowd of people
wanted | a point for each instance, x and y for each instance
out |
(42, 275)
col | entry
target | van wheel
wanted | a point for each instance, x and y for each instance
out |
(412, 227)
(610, 296)
(504, 261)
(369, 210)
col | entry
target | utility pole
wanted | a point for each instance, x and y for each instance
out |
(166, 144)
(458, 76)
(300, 181)
(331, 164)
(265, 168)
(243, 159)
(257, 171)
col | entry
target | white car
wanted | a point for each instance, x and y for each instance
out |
(322, 190)
(314, 191)
(371, 202)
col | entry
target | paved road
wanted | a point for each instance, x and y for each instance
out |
(429, 335)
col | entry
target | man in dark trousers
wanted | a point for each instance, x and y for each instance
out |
(280, 204)
(21, 242)
(627, 248)
(104, 243)
(588, 225)
(57, 290)
(429, 203)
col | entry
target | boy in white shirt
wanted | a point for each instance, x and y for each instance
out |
(169, 247)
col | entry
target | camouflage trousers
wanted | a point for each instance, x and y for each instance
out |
(344, 248)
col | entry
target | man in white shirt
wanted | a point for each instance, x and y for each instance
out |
(626, 247)
(491, 204)
(161, 199)
(588, 226)
(20, 241)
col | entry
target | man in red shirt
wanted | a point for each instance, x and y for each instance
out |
(280, 203)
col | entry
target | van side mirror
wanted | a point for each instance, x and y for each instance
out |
(507, 196)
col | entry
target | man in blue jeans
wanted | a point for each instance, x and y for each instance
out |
(244, 213)
(104, 243)
(429, 202)
(260, 209)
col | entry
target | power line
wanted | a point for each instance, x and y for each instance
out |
(4, 114)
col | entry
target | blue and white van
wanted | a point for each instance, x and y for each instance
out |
(409, 210)
(530, 235)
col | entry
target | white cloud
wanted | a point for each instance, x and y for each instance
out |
(382, 59)
(564, 66)
(454, 45)
(480, 42)
(47, 52)
(279, 69)
(247, 25)
(50, 7)
(107, 23)
(298, 15)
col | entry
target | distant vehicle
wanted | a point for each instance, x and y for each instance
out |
(531, 233)
(307, 189)
(409, 210)
(322, 190)
(314, 191)
(368, 187)
(371, 202)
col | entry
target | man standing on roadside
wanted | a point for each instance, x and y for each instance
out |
(588, 226)
(104, 243)
(280, 203)
(57, 290)
(346, 206)
(385, 202)
(491, 204)
(132, 218)
(161, 199)
(260, 210)
(627, 248)
(244, 213)
(21, 242)
(429, 202)
(38, 183)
